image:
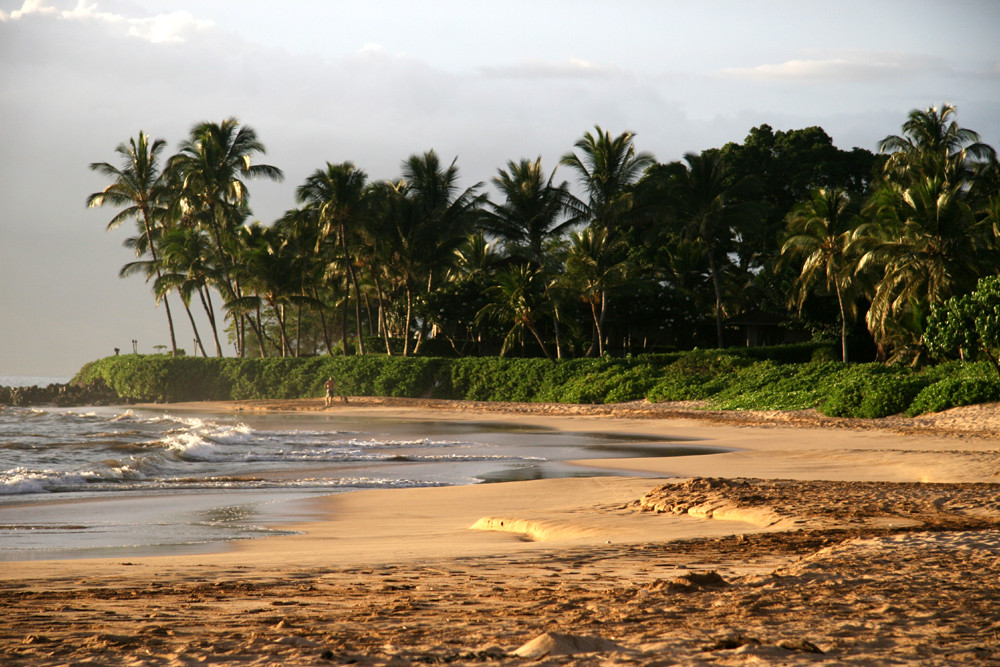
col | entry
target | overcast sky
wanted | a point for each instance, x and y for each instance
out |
(485, 81)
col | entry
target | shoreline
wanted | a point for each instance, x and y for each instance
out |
(972, 421)
(864, 541)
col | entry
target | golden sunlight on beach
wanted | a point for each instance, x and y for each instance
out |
(806, 540)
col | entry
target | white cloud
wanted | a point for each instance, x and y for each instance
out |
(29, 7)
(851, 66)
(573, 68)
(172, 27)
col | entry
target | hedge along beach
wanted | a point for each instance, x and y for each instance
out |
(807, 541)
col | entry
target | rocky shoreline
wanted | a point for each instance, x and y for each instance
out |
(62, 395)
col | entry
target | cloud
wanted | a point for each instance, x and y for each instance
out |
(172, 27)
(844, 67)
(573, 68)
(29, 7)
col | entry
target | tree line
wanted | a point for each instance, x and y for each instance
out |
(639, 256)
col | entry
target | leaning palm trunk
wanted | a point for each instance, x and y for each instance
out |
(382, 325)
(357, 291)
(322, 321)
(713, 270)
(843, 324)
(258, 329)
(206, 303)
(194, 328)
(279, 314)
(298, 330)
(170, 318)
(409, 319)
(595, 342)
(541, 343)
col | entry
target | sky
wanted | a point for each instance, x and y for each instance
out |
(480, 81)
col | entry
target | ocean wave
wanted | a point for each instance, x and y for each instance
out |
(22, 481)
(18, 483)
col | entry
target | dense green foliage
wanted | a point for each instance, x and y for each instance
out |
(784, 237)
(640, 257)
(968, 325)
(733, 379)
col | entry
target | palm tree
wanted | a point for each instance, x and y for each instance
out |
(519, 300)
(301, 235)
(186, 252)
(140, 188)
(928, 233)
(607, 168)
(431, 219)
(166, 281)
(337, 193)
(934, 145)
(534, 213)
(708, 207)
(595, 265)
(209, 172)
(821, 230)
(534, 210)
(926, 243)
(264, 267)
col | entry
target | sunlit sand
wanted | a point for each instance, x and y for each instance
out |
(812, 541)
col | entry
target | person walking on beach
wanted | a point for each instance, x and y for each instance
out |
(331, 389)
(331, 386)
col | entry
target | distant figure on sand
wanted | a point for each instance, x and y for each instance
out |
(331, 388)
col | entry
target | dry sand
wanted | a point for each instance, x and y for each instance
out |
(816, 541)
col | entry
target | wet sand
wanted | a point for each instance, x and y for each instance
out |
(815, 541)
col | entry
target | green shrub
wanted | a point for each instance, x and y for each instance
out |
(792, 353)
(871, 391)
(729, 381)
(695, 376)
(616, 384)
(954, 392)
(766, 385)
(498, 379)
(682, 387)
(158, 377)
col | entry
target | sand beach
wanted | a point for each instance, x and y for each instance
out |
(805, 540)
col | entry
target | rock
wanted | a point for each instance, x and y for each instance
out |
(730, 642)
(803, 645)
(689, 582)
(557, 643)
(95, 393)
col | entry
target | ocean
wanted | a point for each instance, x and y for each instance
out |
(31, 380)
(113, 481)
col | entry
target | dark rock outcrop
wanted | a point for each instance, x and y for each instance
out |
(94, 393)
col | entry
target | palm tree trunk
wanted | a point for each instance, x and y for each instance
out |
(194, 327)
(170, 322)
(322, 321)
(147, 228)
(595, 341)
(843, 325)
(298, 329)
(383, 329)
(368, 310)
(258, 329)
(343, 323)
(409, 316)
(357, 292)
(713, 271)
(601, 319)
(279, 314)
(541, 344)
(206, 303)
